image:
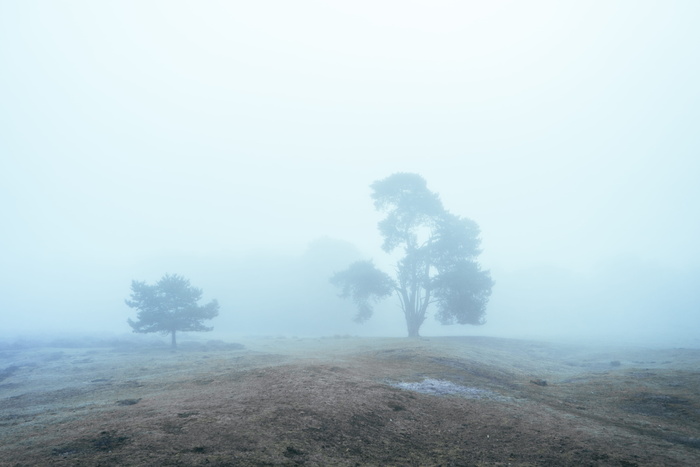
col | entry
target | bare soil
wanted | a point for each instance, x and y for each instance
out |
(350, 401)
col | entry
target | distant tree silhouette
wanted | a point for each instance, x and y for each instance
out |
(439, 263)
(169, 306)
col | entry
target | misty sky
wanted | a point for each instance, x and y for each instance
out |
(136, 130)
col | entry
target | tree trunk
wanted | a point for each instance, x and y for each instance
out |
(413, 324)
(173, 342)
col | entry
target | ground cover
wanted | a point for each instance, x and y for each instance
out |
(461, 401)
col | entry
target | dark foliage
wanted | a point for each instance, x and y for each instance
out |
(364, 284)
(439, 263)
(169, 306)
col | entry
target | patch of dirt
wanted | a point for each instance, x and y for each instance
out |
(105, 441)
(318, 402)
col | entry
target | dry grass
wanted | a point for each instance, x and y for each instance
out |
(336, 402)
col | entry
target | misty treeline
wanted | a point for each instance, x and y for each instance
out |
(265, 293)
(438, 267)
(270, 293)
(624, 299)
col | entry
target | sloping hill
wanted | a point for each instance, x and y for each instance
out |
(354, 401)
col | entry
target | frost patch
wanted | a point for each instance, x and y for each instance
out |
(438, 387)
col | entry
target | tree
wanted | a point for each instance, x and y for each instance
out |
(169, 306)
(438, 265)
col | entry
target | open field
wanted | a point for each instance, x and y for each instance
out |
(349, 401)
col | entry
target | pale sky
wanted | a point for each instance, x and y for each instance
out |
(569, 131)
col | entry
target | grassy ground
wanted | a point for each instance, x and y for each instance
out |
(345, 401)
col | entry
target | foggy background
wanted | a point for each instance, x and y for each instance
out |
(234, 143)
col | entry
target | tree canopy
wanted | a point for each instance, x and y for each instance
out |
(439, 263)
(363, 284)
(169, 306)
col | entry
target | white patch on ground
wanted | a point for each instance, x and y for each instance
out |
(438, 387)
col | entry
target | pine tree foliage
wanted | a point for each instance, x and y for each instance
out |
(439, 264)
(169, 306)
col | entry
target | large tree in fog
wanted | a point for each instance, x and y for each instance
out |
(438, 265)
(169, 306)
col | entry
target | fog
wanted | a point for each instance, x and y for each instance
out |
(234, 143)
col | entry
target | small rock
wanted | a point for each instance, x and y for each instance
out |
(539, 382)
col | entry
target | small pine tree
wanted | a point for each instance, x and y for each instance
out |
(169, 306)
